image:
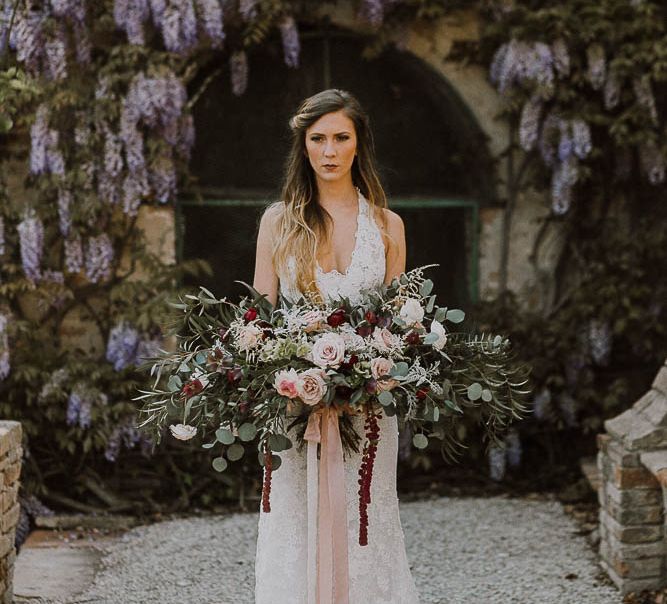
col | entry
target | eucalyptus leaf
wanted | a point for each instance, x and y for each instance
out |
(235, 452)
(201, 357)
(426, 288)
(430, 338)
(247, 431)
(440, 314)
(420, 441)
(207, 445)
(385, 398)
(225, 436)
(175, 383)
(430, 304)
(486, 395)
(219, 464)
(455, 315)
(474, 391)
(399, 369)
(356, 396)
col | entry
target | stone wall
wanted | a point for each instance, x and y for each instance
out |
(10, 470)
(632, 459)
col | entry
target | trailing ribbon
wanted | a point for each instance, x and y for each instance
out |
(328, 571)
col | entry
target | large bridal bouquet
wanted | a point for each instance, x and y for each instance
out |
(248, 373)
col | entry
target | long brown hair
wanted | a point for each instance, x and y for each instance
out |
(302, 221)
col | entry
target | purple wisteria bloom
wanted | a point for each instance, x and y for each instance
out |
(157, 11)
(64, 204)
(80, 404)
(122, 345)
(563, 180)
(597, 66)
(130, 15)
(113, 162)
(55, 55)
(31, 240)
(581, 137)
(2, 235)
(290, 39)
(99, 256)
(565, 143)
(38, 139)
(54, 157)
(542, 404)
(248, 9)
(113, 445)
(372, 11)
(238, 69)
(210, 17)
(28, 37)
(179, 26)
(73, 254)
(530, 122)
(4, 348)
(599, 341)
(497, 462)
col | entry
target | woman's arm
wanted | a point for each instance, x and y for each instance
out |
(265, 280)
(395, 258)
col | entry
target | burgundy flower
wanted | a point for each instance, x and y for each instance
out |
(234, 374)
(371, 317)
(422, 392)
(364, 330)
(191, 388)
(346, 365)
(250, 314)
(413, 338)
(337, 317)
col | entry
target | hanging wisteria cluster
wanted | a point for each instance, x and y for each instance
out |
(126, 346)
(4, 347)
(509, 454)
(563, 139)
(129, 436)
(80, 403)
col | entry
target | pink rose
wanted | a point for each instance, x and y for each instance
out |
(311, 385)
(384, 340)
(328, 350)
(285, 382)
(380, 367)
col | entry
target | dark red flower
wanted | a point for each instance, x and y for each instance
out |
(364, 330)
(250, 314)
(413, 338)
(191, 388)
(422, 392)
(371, 386)
(222, 332)
(337, 317)
(234, 374)
(383, 322)
(345, 392)
(371, 317)
(347, 365)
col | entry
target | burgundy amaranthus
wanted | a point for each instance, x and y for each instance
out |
(266, 486)
(366, 472)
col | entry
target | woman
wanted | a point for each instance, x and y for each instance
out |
(332, 236)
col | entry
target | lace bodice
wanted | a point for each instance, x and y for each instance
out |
(367, 265)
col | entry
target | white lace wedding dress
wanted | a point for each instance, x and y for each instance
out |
(379, 572)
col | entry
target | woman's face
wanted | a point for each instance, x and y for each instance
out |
(331, 140)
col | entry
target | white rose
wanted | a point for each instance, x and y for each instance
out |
(379, 367)
(182, 431)
(328, 350)
(248, 337)
(412, 311)
(311, 385)
(437, 328)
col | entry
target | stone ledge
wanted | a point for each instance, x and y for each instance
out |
(656, 462)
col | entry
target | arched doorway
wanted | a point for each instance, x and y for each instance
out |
(432, 156)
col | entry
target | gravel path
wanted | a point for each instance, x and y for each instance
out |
(462, 551)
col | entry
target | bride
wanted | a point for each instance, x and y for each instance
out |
(331, 236)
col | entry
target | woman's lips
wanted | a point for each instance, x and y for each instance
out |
(330, 167)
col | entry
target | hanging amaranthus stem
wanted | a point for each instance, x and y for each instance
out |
(266, 486)
(366, 471)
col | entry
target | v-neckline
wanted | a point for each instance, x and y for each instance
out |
(335, 271)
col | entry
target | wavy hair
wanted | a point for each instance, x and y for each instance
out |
(302, 222)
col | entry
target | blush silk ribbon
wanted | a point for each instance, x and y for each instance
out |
(328, 580)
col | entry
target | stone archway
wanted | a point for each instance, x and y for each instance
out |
(434, 157)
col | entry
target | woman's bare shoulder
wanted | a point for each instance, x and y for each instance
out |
(271, 215)
(393, 220)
